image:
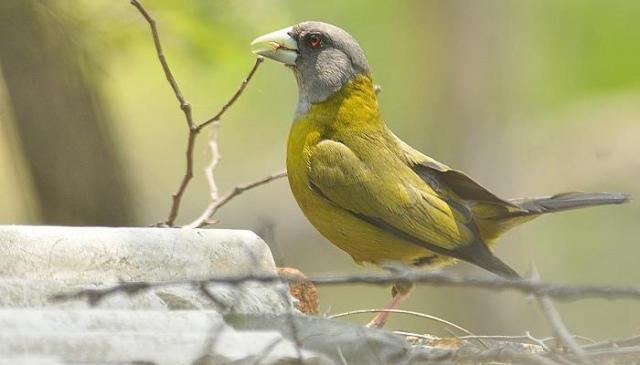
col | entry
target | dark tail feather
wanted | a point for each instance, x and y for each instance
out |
(567, 201)
(480, 255)
(496, 266)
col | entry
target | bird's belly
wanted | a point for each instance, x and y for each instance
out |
(365, 243)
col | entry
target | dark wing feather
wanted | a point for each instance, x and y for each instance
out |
(446, 180)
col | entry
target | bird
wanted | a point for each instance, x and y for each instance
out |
(371, 194)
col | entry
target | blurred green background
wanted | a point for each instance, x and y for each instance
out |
(529, 97)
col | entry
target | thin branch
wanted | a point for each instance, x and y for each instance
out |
(213, 141)
(207, 216)
(188, 175)
(526, 339)
(559, 328)
(215, 160)
(471, 355)
(184, 104)
(630, 341)
(412, 313)
(235, 96)
(634, 350)
(520, 338)
(537, 341)
(557, 324)
(527, 286)
(194, 131)
(542, 357)
(416, 335)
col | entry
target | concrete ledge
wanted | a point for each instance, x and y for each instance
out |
(171, 325)
(39, 261)
(86, 254)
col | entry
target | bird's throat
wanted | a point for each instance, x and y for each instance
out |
(355, 104)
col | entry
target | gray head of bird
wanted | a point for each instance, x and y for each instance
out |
(322, 56)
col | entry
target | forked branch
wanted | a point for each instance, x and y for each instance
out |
(195, 129)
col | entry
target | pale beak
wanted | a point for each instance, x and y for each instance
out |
(278, 46)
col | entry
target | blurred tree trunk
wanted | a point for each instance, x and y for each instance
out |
(59, 117)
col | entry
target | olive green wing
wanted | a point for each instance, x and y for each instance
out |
(391, 197)
(384, 194)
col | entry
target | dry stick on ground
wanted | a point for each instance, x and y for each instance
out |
(557, 324)
(629, 341)
(215, 160)
(526, 338)
(496, 355)
(194, 129)
(412, 313)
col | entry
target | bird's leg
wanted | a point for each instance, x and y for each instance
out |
(400, 292)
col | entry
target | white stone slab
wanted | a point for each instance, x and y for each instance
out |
(39, 261)
(100, 254)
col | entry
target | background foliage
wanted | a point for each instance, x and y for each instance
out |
(530, 97)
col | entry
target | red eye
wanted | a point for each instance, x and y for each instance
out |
(314, 41)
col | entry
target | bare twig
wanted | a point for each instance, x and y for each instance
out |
(235, 96)
(527, 286)
(633, 350)
(417, 335)
(194, 129)
(526, 339)
(184, 106)
(412, 313)
(630, 341)
(537, 341)
(215, 160)
(520, 338)
(557, 324)
(507, 354)
(188, 175)
(470, 355)
(207, 216)
(559, 328)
